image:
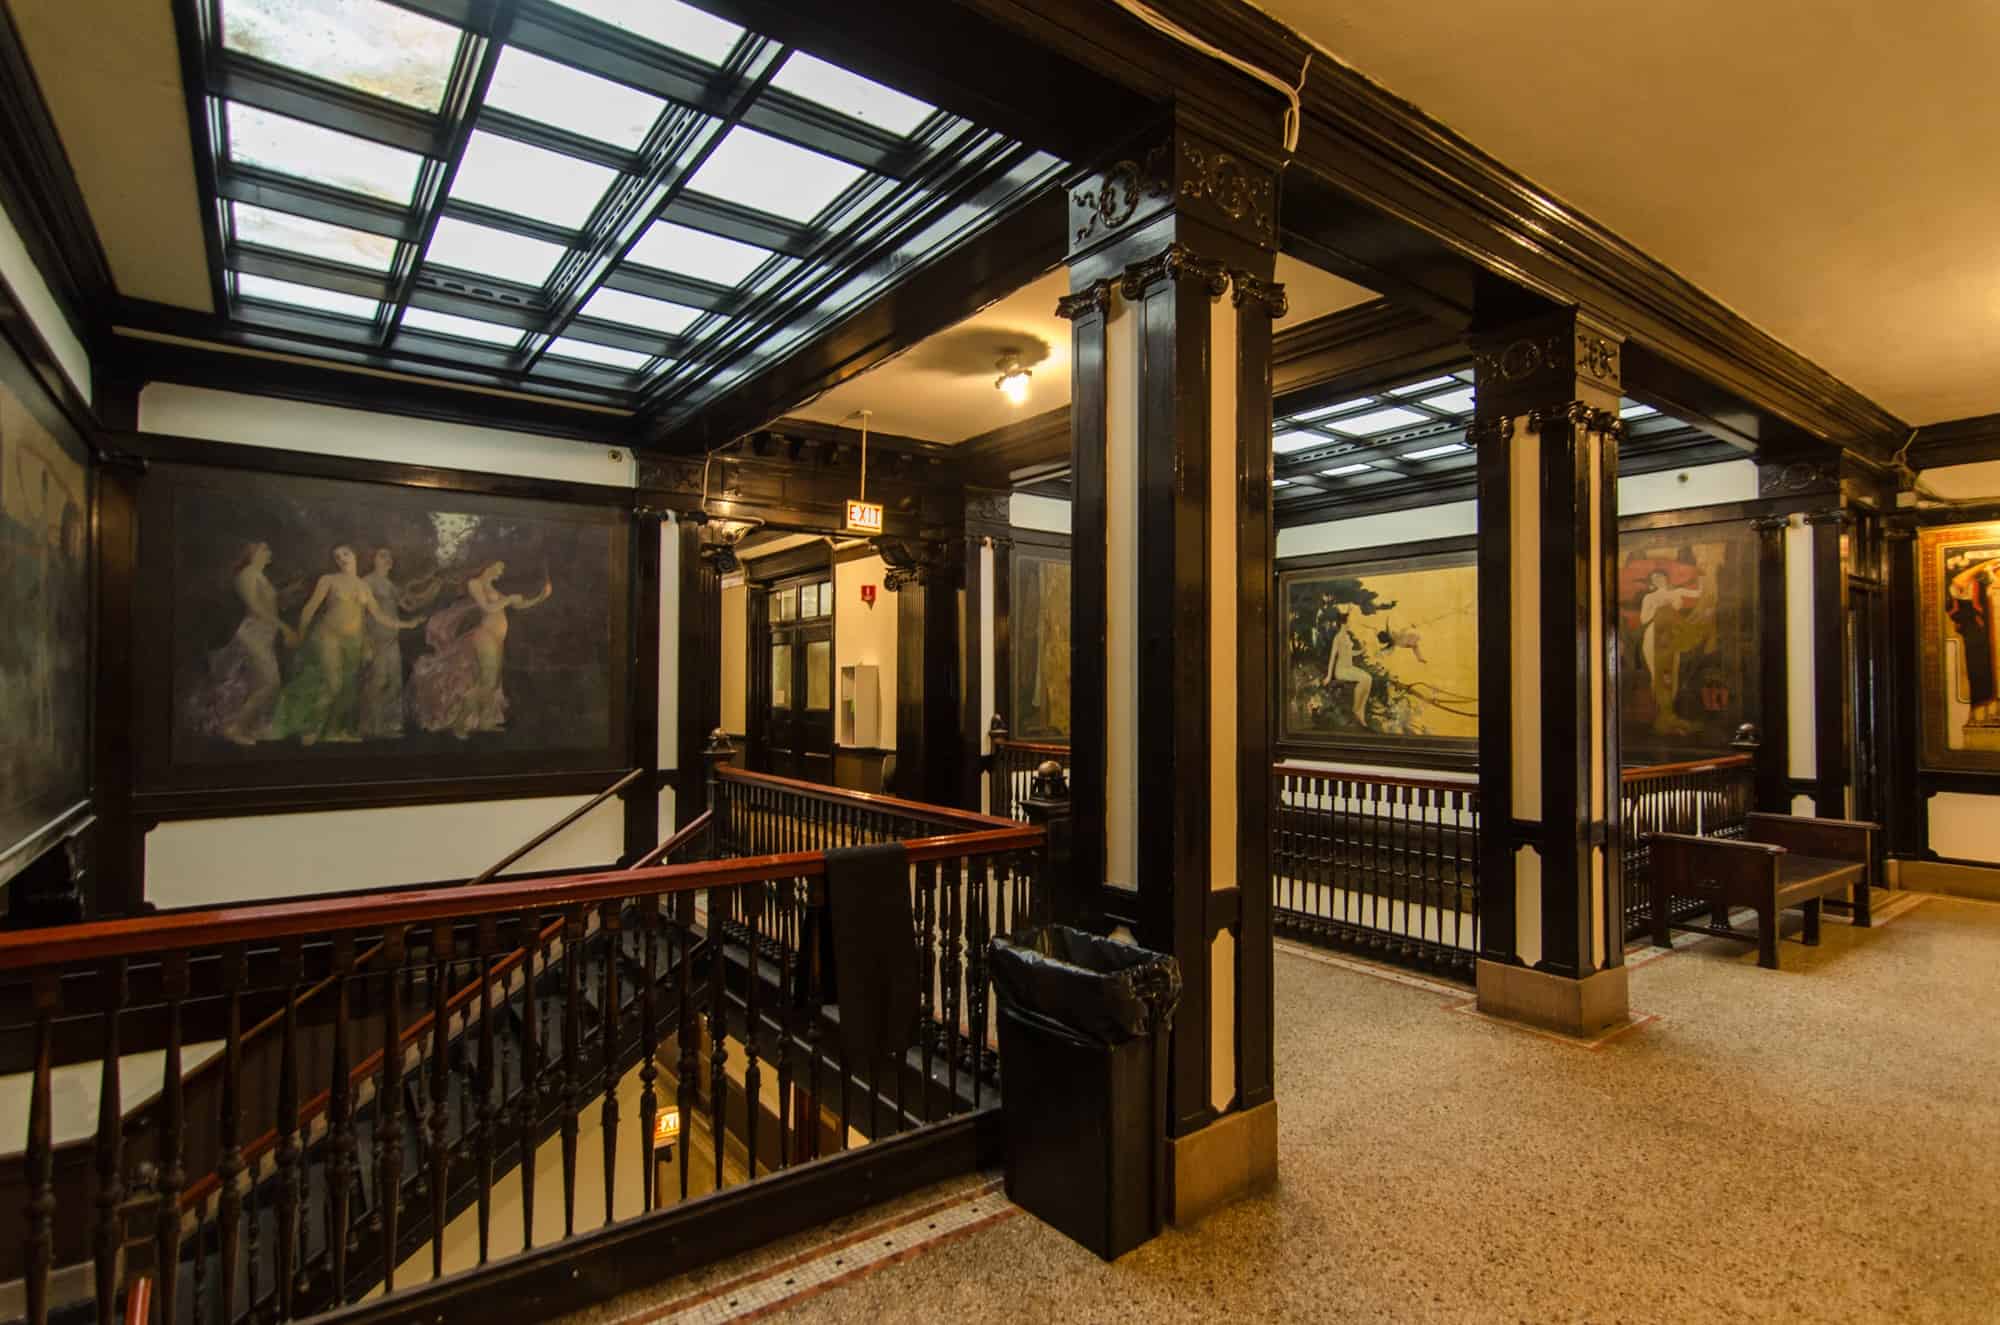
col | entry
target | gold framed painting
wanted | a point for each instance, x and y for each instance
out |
(1958, 605)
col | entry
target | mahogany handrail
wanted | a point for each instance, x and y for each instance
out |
(1643, 772)
(1033, 747)
(937, 814)
(1382, 779)
(674, 843)
(184, 930)
(547, 833)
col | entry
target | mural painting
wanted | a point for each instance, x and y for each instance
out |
(1039, 619)
(1687, 639)
(1383, 655)
(323, 629)
(44, 631)
(1958, 573)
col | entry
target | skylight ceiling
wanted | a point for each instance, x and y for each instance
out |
(1409, 439)
(625, 202)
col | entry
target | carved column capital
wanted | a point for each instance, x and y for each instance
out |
(1267, 295)
(1834, 515)
(1174, 262)
(1771, 523)
(1095, 297)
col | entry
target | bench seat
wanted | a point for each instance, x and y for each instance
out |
(1781, 862)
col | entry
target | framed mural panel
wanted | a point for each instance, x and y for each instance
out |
(1687, 621)
(45, 618)
(1378, 657)
(1038, 616)
(314, 632)
(1958, 605)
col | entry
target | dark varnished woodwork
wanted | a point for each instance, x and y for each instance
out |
(928, 734)
(700, 668)
(1087, 310)
(1773, 658)
(1830, 669)
(642, 803)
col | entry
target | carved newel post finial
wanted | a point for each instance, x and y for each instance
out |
(718, 744)
(1049, 783)
(1747, 738)
(715, 754)
(997, 728)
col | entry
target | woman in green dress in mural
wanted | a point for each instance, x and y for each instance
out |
(322, 701)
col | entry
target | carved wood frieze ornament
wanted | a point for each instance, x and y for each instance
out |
(1118, 193)
(1494, 428)
(1174, 262)
(1268, 295)
(1796, 476)
(1588, 355)
(1095, 297)
(988, 507)
(1240, 190)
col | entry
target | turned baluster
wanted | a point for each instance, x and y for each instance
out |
(173, 1123)
(649, 1041)
(610, 922)
(442, 944)
(572, 1069)
(389, 1103)
(39, 1154)
(686, 1065)
(488, 1112)
(527, 1114)
(718, 1029)
(341, 1166)
(229, 1166)
(110, 1140)
(752, 895)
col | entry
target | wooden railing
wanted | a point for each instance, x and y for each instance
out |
(1382, 864)
(492, 1017)
(1705, 797)
(1013, 770)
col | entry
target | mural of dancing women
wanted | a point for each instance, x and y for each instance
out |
(458, 686)
(322, 701)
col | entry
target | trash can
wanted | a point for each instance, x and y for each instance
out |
(1083, 1082)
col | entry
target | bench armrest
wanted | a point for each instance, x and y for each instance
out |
(1829, 839)
(1702, 866)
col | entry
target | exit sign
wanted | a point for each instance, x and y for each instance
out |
(864, 517)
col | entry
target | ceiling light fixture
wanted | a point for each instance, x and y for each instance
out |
(1013, 379)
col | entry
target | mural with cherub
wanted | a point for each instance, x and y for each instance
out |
(1382, 654)
(1687, 638)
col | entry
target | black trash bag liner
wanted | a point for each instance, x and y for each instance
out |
(1093, 988)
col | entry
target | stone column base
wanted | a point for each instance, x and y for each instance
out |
(1557, 1003)
(1233, 1156)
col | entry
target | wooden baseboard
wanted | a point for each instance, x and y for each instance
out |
(1952, 878)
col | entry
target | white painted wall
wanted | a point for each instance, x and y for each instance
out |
(864, 634)
(216, 861)
(25, 282)
(290, 425)
(1449, 520)
(735, 635)
(1050, 515)
(1677, 489)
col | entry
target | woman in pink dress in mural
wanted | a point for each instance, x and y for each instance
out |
(243, 675)
(456, 687)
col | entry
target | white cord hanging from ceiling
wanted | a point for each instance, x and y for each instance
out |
(1152, 18)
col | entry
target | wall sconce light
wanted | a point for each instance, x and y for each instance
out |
(1013, 379)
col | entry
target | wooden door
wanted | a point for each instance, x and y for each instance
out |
(796, 660)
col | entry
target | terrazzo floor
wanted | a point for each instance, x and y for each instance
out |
(1820, 1143)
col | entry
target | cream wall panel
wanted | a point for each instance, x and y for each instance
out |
(218, 862)
(291, 425)
(1121, 617)
(25, 282)
(735, 635)
(1050, 515)
(864, 634)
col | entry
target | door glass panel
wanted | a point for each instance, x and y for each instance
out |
(819, 675)
(783, 604)
(781, 676)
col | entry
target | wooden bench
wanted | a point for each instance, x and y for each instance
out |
(1781, 861)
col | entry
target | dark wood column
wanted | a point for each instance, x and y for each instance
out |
(1551, 905)
(700, 666)
(1830, 671)
(1171, 265)
(925, 579)
(1774, 724)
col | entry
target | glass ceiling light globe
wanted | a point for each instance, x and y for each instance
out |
(1013, 379)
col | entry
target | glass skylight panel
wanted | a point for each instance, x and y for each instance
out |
(555, 94)
(488, 252)
(1430, 385)
(1451, 402)
(1284, 443)
(314, 239)
(1281, 483)
(1325, 410)
(470, 328)
(1433, 452)
(1636, 411)
(696, 253)
(850, 94)
(365, 45)
(529, 181)
(767, 174)
(1342, 471)
(639, 311)
(305, 296)
(674, 25)
(592, 352)
(339, 160)
(1381, 420)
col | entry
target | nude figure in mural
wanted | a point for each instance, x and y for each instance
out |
(382, 679)
(322, 701)
(1665, 635)
(244, 679)
(457, 686)
(1340, 666)
(1407, 638)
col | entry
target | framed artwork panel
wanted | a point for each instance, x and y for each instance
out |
(1688, 642)
(308, 631)
(1958, 687)
(1039, 642)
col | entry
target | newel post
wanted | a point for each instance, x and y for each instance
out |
(1047, 806)
(714, 755)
